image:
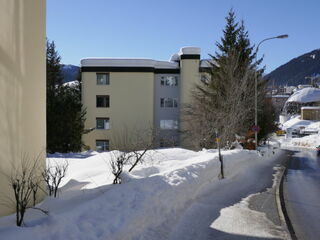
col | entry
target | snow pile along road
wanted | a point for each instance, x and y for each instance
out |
(147, 205)
(311, 141)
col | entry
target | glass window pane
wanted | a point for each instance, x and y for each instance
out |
(102, 78)
(175, 124)
(162, 124)
(106, 124)
(171, 81)
(162, 81)
(107, 101)
(103, 101)
(175, 102)
(162, 102)
(99, 101)
(100, 124)
(102, 145)
(169, 102)
(168, 124)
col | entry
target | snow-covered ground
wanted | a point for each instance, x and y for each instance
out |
(153, 199)
(311, 141)
(296, 123)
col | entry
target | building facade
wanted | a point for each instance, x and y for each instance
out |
(310, 113)
(22, 90)
(135, 94)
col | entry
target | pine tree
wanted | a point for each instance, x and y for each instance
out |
(54, 74)
(65, 116)
(225, 101)
(230, 35)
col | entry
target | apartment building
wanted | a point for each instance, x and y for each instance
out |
(22, 91)
(139, 94)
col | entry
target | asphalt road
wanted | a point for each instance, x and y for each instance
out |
(301, 191)
(196, 221)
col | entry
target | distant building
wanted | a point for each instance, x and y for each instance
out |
(138, 94)
(22, 90)
(305, 97)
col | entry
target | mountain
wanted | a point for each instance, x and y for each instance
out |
(69, 72)
(295, 71)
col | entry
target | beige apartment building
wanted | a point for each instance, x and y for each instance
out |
(136, 94)
(22, 89)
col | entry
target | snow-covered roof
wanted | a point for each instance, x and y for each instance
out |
(305, 95)
(175, 58)
(190, 50)
(140, 62)
(311, 108)
(127, 62)
(280, 96)
(207, 63)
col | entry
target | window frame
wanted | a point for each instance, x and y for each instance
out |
(103, 118)
(164, 81)
(107, 102)
(104, 149)
(164, 102)
(107, 79)
(175, 124)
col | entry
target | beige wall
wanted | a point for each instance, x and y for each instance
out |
(190, 76)
(22, 86)
(131, 104)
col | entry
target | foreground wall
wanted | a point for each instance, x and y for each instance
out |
(22, 88)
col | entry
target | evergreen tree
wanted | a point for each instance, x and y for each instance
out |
(65, 116)
(225, 101)
(54, 74)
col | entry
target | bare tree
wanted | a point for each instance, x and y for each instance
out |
(117, 162)
(53, 175)
(25, 181)
(132, 145)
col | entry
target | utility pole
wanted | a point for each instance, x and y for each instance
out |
(256, 127)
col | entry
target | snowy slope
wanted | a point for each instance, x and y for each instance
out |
(146, 206)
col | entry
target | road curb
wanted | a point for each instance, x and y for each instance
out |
(282, 212)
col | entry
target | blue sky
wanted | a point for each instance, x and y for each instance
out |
(157, 29)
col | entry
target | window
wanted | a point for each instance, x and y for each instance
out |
(102, 123)
(103, 79)
(102, 145)
(168, 124)
(103, 101)
(169, 81)
(169, 102)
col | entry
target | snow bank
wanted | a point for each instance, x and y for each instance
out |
(311, 141)
(149, 202)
